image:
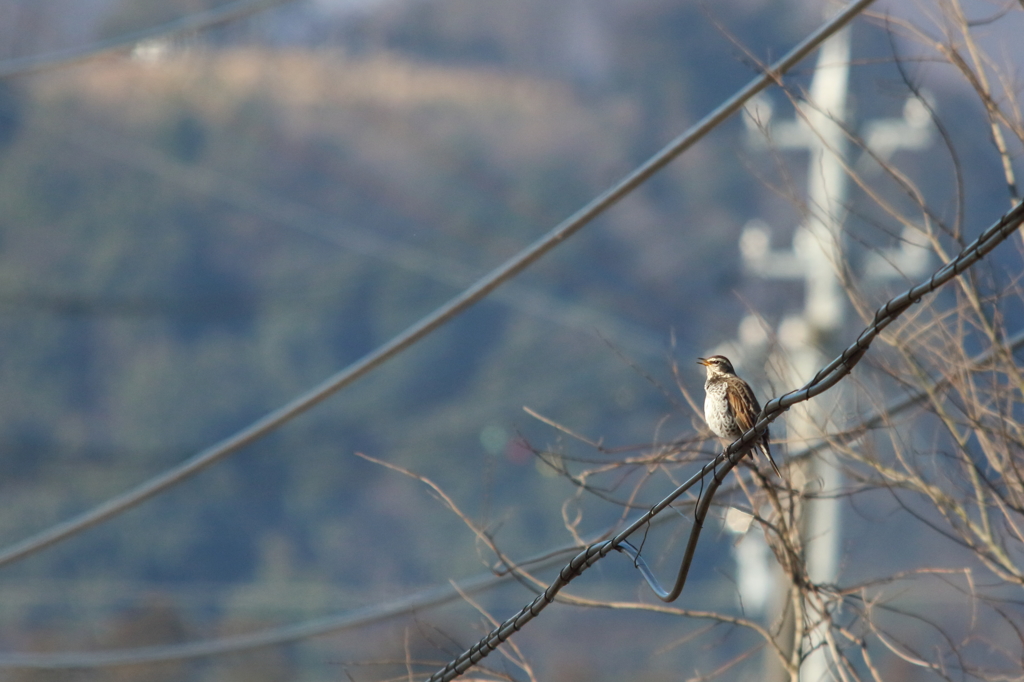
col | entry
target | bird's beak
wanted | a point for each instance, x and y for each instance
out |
(702, 361)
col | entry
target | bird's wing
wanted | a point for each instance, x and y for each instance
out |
(745, 411)
(743, 405)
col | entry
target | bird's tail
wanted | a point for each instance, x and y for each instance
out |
(763, 447)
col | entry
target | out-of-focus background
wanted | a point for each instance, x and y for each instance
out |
(198, 227)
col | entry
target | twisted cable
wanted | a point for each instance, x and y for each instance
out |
(825, 379)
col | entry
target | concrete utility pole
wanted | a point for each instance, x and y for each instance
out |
(808, 339)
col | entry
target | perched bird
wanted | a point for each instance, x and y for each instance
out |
(730, 407)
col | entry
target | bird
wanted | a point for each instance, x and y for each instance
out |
(730, 406)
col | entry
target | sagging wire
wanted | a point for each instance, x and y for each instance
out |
(437, 318)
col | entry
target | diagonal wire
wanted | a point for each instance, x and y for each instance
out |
(434, 320)
(826, 378)
(221, 14)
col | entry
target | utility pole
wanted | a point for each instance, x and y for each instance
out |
(816, 257)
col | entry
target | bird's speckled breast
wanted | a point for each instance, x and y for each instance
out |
(716, 411)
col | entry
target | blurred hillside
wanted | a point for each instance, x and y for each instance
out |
(189, 237)
(190, 242)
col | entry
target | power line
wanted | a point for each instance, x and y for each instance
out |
(347, 620)
(434, 320)
(221, 14)
(827, 377)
